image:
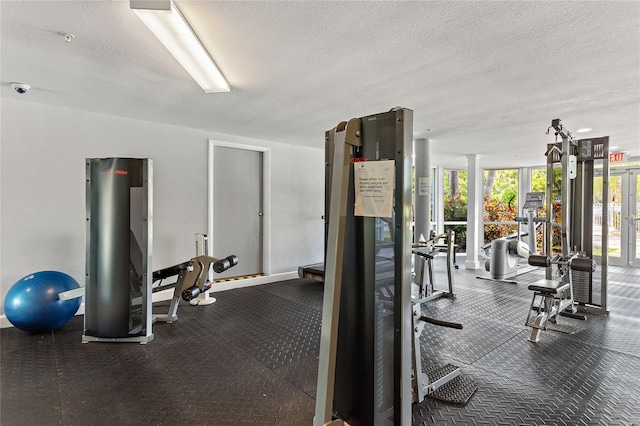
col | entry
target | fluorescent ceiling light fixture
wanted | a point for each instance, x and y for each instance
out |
(584, 130)
(167, 23)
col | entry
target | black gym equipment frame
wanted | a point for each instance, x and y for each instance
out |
(119, 250)
(364, 374)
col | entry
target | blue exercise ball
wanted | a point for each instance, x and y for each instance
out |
(32, 304)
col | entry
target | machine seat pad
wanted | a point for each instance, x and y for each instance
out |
(549, 286)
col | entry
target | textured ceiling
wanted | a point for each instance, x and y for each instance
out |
(486, 77)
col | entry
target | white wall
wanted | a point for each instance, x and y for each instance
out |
(42, 176)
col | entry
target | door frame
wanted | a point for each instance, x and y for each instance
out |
(266, 195)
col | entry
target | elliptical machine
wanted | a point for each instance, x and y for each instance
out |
(507, 256)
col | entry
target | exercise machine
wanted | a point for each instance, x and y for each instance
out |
(369, 367)
(119, 250)
(426, 251)
(507, 256)
(192, 281)
(364, 367)
(533, 202)
(553, 298)
(574, 286)
(443, 382)
(119, 279)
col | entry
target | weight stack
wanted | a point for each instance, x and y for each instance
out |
(582, 286)
(582, 269)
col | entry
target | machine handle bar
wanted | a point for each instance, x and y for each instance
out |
(441, 323)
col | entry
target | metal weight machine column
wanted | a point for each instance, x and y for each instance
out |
(589, 292)
(119, 249)
(364, 373)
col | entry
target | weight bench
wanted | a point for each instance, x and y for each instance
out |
(553, 297)
(549, 299)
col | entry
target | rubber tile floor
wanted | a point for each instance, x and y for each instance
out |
(252, 358)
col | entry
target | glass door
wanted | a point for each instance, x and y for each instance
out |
(634, 217)
(624, 210)
(614, 227)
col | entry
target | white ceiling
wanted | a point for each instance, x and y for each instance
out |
(486, 77)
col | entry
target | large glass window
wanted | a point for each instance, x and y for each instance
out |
(539, 184)
(539, 179)
(500, 203)
(455, 205)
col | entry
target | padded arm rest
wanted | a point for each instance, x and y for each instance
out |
(583, 264)
(539, 260)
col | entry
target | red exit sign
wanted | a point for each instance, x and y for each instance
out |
(616, 157)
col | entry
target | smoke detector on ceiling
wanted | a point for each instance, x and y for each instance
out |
(68, 37)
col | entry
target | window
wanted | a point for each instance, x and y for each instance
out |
(500, 203)
(455, 205)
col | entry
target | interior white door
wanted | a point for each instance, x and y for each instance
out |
(237, 209)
